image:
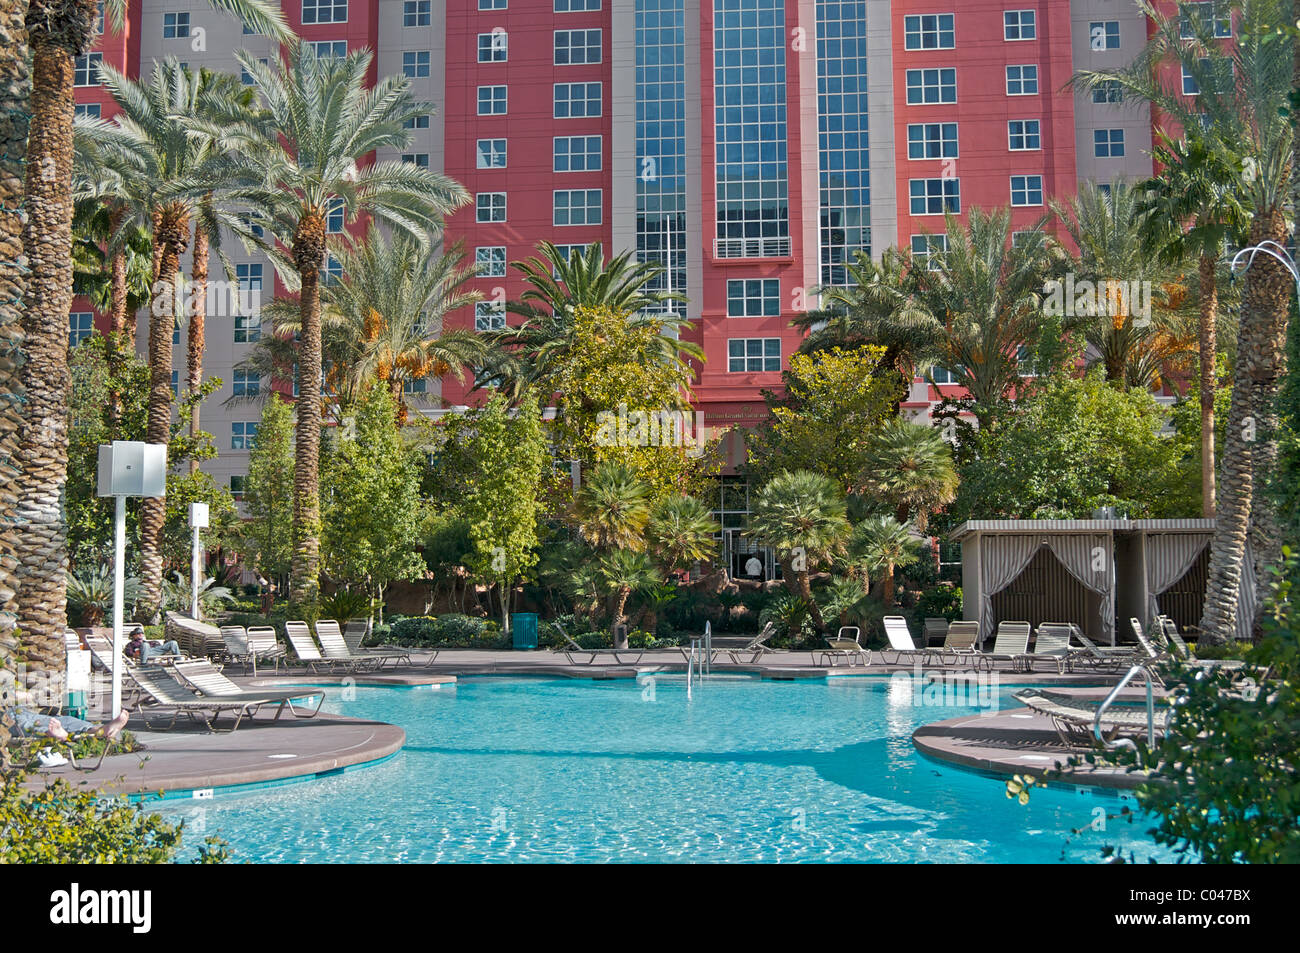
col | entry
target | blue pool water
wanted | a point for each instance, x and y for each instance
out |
(524, 769)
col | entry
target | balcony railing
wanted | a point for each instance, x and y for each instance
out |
(751, 247)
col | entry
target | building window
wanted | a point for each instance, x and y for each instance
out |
(247, 384)
(248, 328)
(415, 64)
(1108, 143)
(332, 273)
(176, 383)
(927, 86)
(324, 11)
(576, 47)
(1024, 361)
(420, 159)
(932, 140)
(176, 26)
(1022, 238)
(928, 31)
(1103, 34)
(492, 4)
(576, 6)
(417, 13)
(1022, 80)
(335, 218)
(941, 375)
(934, 196)
(1019, 25)
(416, 122)
(1190, 86)
(81, 324)
(238, 486)
(85, 69)
(493, 47)
(490, 261)
(753, 355)
(566, 253)
(577, 100)
(329, 49)
(489, 316)
(491, 100)
(1026, 190)
(577, 207)
(491, 153)
(577, 154)
(98, 28)
(415, 385)
(243, 435)
(1108, 91)
(1202, 16)
(753, 297)
(926, 250)
(490, 207)
(1023, 135)
(88, 110)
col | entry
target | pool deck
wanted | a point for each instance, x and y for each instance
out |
(190, 759)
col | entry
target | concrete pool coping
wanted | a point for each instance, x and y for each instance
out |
(187, 762)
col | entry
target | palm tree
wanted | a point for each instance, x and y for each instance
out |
(58, 31)
(613, 507)
(986, 292)
(1107, 226)
(1243, 103)
(530, 353)
(305, 155)
(383, 320)
(622, 572)
(881, 544)
(802, 515)
(167, 176)
(13, 144)
(681, 532)
(910, 467)
(1191, 211)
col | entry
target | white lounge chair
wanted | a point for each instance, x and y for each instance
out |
(900, 641)
(264, 646)
(842, 646)
(334, 648)
(210, 682)
(1052, 643)
(572, 648)
(959, 641)
(1010, 645)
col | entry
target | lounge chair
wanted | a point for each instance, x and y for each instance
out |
(1183, 652)
(900, 641)
(235, 638)
(572, 648)
(334, 648)
(194, 637)
(755, 647)
(168, 692)
(1010, 645)
(960, 642)
(934, 631)
(1073, 718)
(1099, 657)
(1053, 644)
(264, 646)
(1147, 646)
(209, 681)
(305, 648)
(841, 646)
(355, 632)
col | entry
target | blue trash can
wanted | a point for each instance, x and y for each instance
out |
(523, 627)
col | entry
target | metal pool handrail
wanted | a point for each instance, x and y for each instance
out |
(1110, 699)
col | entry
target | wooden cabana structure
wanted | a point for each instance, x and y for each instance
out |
(1096, 573)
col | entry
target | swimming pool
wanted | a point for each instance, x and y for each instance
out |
(536, 770)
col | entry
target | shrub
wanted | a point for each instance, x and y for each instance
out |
(450, 631)
(942, 601)
(345, 604)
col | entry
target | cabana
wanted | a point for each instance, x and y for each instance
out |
(1096, 573)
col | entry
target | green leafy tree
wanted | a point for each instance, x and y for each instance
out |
(881, 544)
(373, 510)
(833, 401)
(268, 492)
(680, 532)
(502, 501)
(801, 515)
(909, 466)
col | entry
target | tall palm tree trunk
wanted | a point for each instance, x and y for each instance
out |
(117, 313)
(195, 336)
(620, 605)
(309, 255)
(1206, 345)
(57, 31)
(1250, 430)
(14, 92)
(173, 235)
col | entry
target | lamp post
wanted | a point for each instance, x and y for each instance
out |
(198, 521)
(1273, 250)
(127, 468)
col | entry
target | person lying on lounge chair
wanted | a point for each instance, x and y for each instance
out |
(61, 727)
(140, 648)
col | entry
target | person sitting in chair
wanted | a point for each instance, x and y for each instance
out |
(140, 648)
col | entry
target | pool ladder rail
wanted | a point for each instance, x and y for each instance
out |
(700, 661)
(1110, 699)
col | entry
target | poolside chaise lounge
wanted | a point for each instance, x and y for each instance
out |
(900, 641)
(1052, 643)
(572, 648)
(841, 646)
(210, 682)
(304, 646)
(235, 639)
(1073, 718)
(960, 642)
(336, 649)
(934, 631)
(167, 692)
(355, 632)
(1010, 645)
(1100, 657)
(757, 646)
(264, 646)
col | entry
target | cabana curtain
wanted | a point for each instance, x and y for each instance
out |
(1168, 557)
(1002, 559)
(1089, 558)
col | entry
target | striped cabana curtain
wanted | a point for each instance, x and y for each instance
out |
(1002, 559)
(1090, 558)
(1168, 557)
